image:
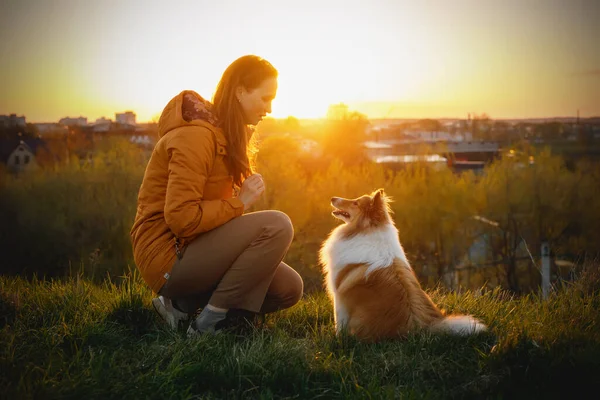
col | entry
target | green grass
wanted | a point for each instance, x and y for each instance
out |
(75, 339)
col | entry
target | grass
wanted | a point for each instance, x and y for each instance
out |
(74, 339)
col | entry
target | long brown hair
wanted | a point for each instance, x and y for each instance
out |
(249, 72)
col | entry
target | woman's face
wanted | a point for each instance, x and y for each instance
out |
(256, 103)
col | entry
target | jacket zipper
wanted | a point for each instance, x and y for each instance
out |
(178, 248)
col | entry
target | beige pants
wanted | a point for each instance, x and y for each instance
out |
(238, 266)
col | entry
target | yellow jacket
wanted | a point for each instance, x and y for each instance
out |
(186, 189)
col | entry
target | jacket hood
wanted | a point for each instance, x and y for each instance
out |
(188, 108)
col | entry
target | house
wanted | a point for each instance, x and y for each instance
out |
(142, 140)
(125, 118)
(375, 149)
(46, 128)
(19, 154)
(68, 121)
(102, 124)
(484, 258)
(12, 121)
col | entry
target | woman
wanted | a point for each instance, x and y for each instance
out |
(192, 242)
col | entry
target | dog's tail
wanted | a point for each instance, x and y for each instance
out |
(459, 324)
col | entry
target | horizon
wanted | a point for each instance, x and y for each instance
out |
(387, 60)
(408, 118)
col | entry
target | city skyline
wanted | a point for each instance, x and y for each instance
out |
(394, 59)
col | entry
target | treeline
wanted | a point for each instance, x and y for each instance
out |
(459, 229)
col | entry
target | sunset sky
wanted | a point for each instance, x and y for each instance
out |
(386, 58)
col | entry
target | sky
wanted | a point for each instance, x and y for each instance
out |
(385, 58)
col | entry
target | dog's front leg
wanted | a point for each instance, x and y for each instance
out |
(341, 317)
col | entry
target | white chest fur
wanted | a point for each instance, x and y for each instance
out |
(376, 248)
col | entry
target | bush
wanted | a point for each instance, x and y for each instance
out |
(77, 217)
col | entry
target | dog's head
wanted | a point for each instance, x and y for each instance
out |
(363, 212)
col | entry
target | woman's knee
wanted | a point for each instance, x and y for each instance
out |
(294, 290)
(286, 295)
(281, 225)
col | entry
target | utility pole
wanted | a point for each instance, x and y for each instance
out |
(545, 270)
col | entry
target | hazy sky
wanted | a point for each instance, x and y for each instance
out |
(395, 58)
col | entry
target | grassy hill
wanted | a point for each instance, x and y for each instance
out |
(75, 339)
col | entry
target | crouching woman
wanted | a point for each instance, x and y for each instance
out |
(192, 241)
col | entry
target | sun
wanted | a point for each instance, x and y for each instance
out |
(307, 92)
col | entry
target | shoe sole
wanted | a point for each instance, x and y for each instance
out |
(162, 311)
(192, 333)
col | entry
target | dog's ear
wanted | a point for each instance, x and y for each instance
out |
(378, 195)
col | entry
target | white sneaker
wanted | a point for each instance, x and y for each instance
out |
(192, 331)
(171, 315)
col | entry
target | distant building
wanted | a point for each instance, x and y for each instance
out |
(19, 155)
(142, 140)
(311, 147)
(50, 127)
(102, 125)
(12, 121)
(67, 121)
(103, 120)
(457, 154)
(337, 111)
(126, 118)
(374, 150)
(436, 136)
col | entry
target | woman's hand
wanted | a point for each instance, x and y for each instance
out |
(252, 188)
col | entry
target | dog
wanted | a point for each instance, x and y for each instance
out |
(375, 293)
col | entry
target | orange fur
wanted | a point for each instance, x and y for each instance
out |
(385, 302)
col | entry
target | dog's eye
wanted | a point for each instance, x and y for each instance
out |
(355, 203)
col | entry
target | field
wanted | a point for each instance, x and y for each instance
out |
(75, 339)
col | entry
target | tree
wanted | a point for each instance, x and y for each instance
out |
(481, 126)
(534, 197)
(15, 132)
(291, 124)
(430, 125)
(344, 134)
(279, 163)
(432, 208)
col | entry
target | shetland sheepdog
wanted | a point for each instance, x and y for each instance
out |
(375, 293)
